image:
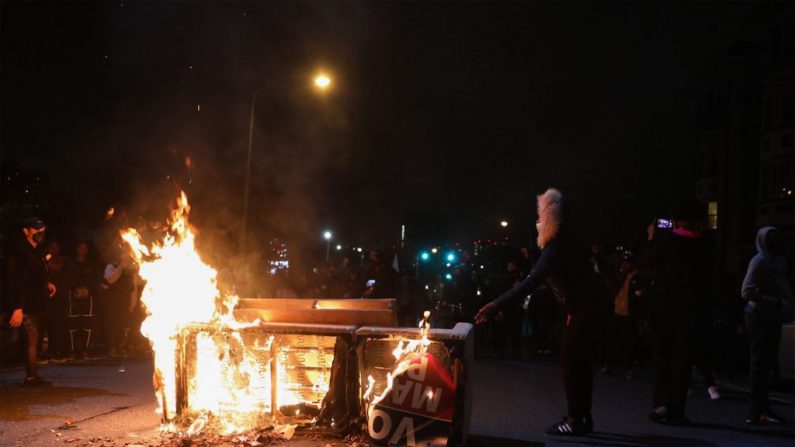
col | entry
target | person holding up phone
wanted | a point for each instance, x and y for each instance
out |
(681, 259)
(565, 267)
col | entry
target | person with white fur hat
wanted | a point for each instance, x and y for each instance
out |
(565, 267)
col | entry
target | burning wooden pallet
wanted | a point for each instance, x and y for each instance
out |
(340, 366)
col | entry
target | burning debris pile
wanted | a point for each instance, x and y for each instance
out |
(253, 371)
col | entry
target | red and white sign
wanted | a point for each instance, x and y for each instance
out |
(420, 404)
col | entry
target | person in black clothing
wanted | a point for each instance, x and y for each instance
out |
(28, 291)
(681, 258)
(82, 320)
(565, 266)
(118, 299)
(62, 274)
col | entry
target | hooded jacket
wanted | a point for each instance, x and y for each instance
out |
(765, 286)
(563, 264)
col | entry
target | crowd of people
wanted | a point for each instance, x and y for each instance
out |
(70, 307)
(676, 308)
(553, 299)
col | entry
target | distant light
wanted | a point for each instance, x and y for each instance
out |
(359, 249)
(322, 81)
(427, 287)
(504, 224)
(339, 247)
(448, 276)
(482, 267)
(434, 250)
(451, 257)
(448, 264)
(327, 235)
(425, 256)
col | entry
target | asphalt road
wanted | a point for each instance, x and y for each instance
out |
(512, 400)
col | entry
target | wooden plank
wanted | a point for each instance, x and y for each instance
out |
(315, 303)
(384, 318)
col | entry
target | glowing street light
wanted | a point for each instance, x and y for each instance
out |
(327, 236)
(322, 82)
(425, 256)
(450, 257)
(504, 223)
(339, 247)
(434, 250)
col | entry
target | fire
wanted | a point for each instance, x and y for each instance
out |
(403, 354)
(231, 382)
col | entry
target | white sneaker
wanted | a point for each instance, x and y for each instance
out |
(713, 393)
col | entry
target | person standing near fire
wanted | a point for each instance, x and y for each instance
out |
(28, 291)
(119, 300)
(565, 267)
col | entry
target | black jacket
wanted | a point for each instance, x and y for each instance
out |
(27, 279)
(683, 284)
(566, 268)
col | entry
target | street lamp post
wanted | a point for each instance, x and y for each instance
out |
(322, 83)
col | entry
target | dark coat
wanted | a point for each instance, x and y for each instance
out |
(27, 279)
(683, 277)
(566, 268)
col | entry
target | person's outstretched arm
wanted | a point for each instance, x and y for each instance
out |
(537, 276)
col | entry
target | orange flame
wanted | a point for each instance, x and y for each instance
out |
(228, 391)
(403, 354)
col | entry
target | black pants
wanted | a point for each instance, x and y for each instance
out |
(115, 319)
(509, 332)
(702, 357)
(57, 332)
(32, 325)
(672, 346)
(576, 355)
(624, 341)
(765, 336)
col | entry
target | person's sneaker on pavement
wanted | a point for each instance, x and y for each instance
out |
(713, 392)
(570, 427)
(768, 418)
(36, 381)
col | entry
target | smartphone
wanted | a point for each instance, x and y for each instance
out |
(665, 223)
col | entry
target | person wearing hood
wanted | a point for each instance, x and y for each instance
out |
(565, 267)
(28, 291)
(681, 258)
(769, 304)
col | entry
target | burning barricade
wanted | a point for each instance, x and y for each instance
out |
(227, 365)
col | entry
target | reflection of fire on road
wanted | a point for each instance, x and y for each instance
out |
(227, 365)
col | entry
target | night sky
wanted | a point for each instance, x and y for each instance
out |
(446, 117)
